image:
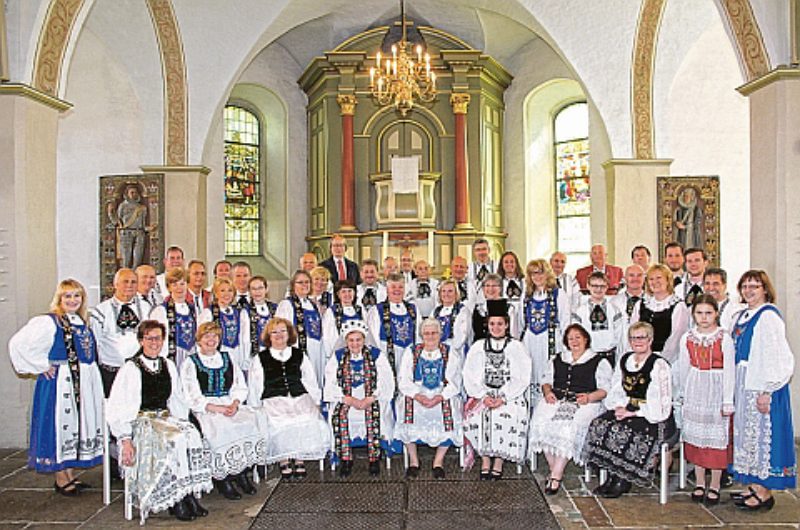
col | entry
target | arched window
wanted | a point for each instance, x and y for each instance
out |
(242, 182)
(571, 147)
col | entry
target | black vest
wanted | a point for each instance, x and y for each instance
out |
(636, 384)
(156, 387)
(282, 379)
(661, 322)
(572, 379)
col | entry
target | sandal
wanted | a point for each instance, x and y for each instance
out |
(742, 495)
(699, 494)
(760, 504)
(80, 485)
(300, 470)
(286, 470)
(549, 489)
(67, 490)
(712, 497)
(496, 474)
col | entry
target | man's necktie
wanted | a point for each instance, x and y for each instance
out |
(127, 318)
(341, 269)
(558, 282)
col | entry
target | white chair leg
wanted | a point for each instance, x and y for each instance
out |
(664, 474)
(405, 458)
(127, 497)
(388, 462)
(256, 478)
(534, 462)
(682, 469)
(602, 476)
(587, 474)
(461, 457)
(322, 465)
(519, 469)
(106, 465)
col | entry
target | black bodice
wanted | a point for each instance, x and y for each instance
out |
(636, 383)
(282, 378)
(156, 385)
(572, 379)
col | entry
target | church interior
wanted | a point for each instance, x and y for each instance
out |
(256, 131)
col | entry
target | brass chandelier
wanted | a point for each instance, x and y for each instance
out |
(401, 79)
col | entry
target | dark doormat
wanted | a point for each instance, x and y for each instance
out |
(460, 501)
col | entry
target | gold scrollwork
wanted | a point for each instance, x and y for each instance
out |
(347, 103)
(642, 88)
(749, 41)
(61, 15)
(459, 103)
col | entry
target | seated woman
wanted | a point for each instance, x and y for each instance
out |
(67, 416)
(284, 391)
(626, 440)
(166, 458)
(574, 386)
(359, 387)
(215, 389)
(497, 375)
(430, 409)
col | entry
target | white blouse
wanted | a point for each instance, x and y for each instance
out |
(680, 322)
(771, 362)
(30, 346)
(658, 405)
(255, 384)
(191, 386)
(452, 374)
(519, 368)
(385, 387)
(602, 376)
(461, 326)
(125, 400)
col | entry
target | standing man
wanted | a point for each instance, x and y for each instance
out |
(458, 272)
(114, 322)
(338, 265)
(173, 258)
(691, 287)
(715, 283)
(308, 261)
(407, 266)
(222, 269)
(673, 258)
(641, 256)
(627, 298)
(599, 258)
(370, 292)
(390, 267)
(146, 287)
(196, 293)
(566, 282)
(482, 265)
(240, 275)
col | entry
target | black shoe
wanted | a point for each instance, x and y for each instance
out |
(412, 472)
(765, 505)
(375, 468)
(699, 494)
(262, 471)
(244, 484)
(182, 512)
(438, 472)
(68, 490)
(739, 496)
(552, 486)
(228, 490)
(196, 508)
(712, 497)
(602, 488)
(346, 468)
(726, 481)
(617, 488)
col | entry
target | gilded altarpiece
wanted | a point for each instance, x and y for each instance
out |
(386, 222)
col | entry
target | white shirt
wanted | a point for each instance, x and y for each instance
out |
(602, 339)
(519, 367)
(658, 406)
(771, 361)
(115, 345)
(30, 346)
(425, 304)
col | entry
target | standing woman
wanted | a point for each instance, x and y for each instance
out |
(763, 439)
(664, 310)
(215, 391)
(233, 321)
(320, 293)
(303, 314)
(259, 312)
(545, 314)
(454, 316)
(283, 387)
(343, 309)
(67, 416)
(178, 316)
(707, 374)
(513, 277)
(497, 373)
(429, 408)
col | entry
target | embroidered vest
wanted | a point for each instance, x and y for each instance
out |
(572, 379)
(636, 383)
(214, 382)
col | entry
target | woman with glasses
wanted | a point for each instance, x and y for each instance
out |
(343, 309)
(492, 289)
(575, 384)
(763, 437)
(283, 387)
(67, 415)
(626, 439)
(545, 314)
(166, 459)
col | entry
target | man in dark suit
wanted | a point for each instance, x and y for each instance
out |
(338, 265)
(613, 273)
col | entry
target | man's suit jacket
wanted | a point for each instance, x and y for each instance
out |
(352, 270)
(614, 274)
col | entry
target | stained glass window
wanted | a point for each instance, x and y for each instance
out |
(571, 134)
(242, 182)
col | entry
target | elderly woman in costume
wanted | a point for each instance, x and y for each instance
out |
(454, 316)
(497, 374)
(215, 389)
(67, 416)
(283, 387)
(167, 462)
(298, 309)
(763, 443)
(359, 387)
(627, 438)
(574, 386)
(429, 408)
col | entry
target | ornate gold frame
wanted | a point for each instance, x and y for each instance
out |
(669, 200)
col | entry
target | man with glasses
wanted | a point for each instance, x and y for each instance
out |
(603, 320)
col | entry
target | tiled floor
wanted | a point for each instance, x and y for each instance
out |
(27, 500)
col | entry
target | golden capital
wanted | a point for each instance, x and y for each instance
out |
(348, 104)
(459, 103)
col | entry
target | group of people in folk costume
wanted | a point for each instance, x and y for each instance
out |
(602, 367)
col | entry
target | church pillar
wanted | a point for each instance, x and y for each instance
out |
(347, 103)
(631, 200)
(774, 200)
(184, 207)
(460, 103)
(28, 264)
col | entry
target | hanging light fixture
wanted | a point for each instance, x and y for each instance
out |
(405, 76)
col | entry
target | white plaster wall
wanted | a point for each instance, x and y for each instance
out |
(23, 19)
(701, 121)
(773, 21)
(274, 69)
(116, 125)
